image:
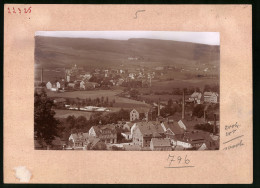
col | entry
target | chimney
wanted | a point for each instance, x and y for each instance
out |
(183, 105)
(215, 123)
(205, 116)
(42, 75)
(159, 108)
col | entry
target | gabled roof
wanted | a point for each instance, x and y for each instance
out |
(141, 109)
(98, 129)
(174, 127)
(161, 142)
(150, 129)
(80, 136)
(196, 95)
(210, 93)
(60, 100)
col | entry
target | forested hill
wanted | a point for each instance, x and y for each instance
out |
(63, 52)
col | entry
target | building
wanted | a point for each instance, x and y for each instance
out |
(126, 135)
(195, 97)
(210, 97)
(82, 85)
(139, 114)
(77, 140)
(196, 139)
(143, 132)
(60, 102)
(49, 85)
(160, 144)
(173, 130)
(106, 133)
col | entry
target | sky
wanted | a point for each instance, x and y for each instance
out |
(211, 38)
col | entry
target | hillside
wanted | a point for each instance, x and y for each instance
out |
(53, 52)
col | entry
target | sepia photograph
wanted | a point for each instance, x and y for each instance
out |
(126, 90)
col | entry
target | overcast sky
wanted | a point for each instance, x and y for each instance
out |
(211, 38)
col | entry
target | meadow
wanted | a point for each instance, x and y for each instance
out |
(169, 86)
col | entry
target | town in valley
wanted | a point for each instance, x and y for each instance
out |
(125, 95)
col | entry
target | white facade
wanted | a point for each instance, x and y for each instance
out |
(49, 85)
(134, 115)
(210, 97)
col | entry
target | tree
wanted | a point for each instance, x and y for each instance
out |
(134, 93)
(198, 111)
(45, 125)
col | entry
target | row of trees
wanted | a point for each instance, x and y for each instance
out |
(98, 101)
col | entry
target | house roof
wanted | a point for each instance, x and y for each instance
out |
(80, 136)
(161, 142)
(60, 100)
(196, 95)
(98, 129)
(174, 127)
(179, 148)
(150, 128)
(210, 93)
(141, 109)
(132, 147)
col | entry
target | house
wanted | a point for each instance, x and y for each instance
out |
(58, 85)
(196, 139)
(182, 125)
(160, 144)
(71, 85)
(129, 147)
(139, 114)
(93, 143)
(210, 97)
(77, 140)
(173, 130)
(126, 135)
(128, 126)
(49, 85)
(143, 132)
(106, 133)
(82, 85)
(195, 97)
(59, 102)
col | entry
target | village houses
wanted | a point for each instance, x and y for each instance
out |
(210, 97)
(106, 133)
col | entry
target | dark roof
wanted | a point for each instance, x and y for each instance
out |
(150, 128)
(162, 142)
(174, 127)
(132, 147)
(60, 100)
(98, 129)
(142, 109)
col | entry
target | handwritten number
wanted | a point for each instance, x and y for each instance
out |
(9, 10)
(19, 10)
(14, 10)
(179, 159)
(28, 10)
(187, 161)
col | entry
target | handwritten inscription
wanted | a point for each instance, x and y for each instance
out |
(231, 132)
(231, 129)
(178, 161)
(13, 10)
(137, 13)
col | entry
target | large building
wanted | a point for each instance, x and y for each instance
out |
(106, 133)
(143, 132)
(210, 97)
(139, 114)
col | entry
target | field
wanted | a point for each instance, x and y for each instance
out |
(158, 86)
(66, 113)
(111, 94)
(163, 98)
